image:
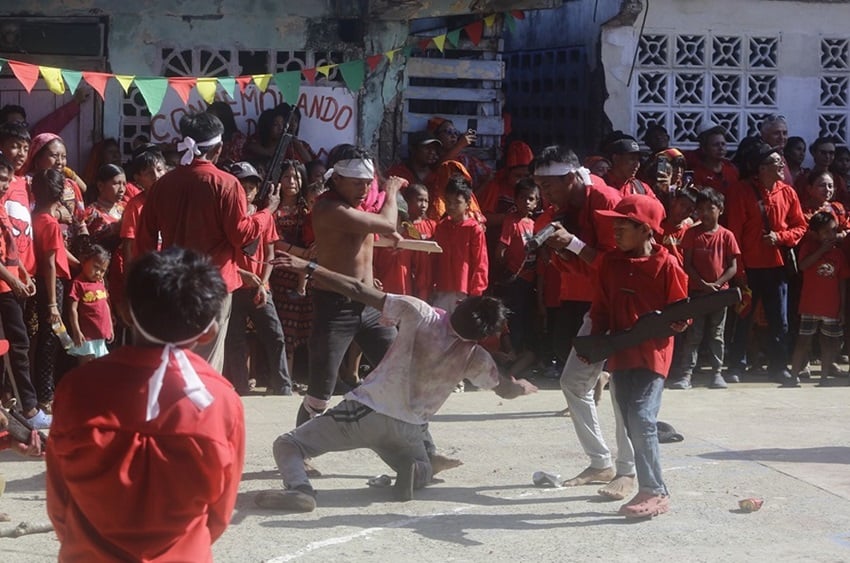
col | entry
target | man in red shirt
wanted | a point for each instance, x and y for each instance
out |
(199, 207)
(170, 429)
(578, 243)
(625, 163)
(424, 152)
(711, 167)
(765, 216)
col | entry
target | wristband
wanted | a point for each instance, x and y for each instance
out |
(311, 267)
(576, 245)
(52, 305)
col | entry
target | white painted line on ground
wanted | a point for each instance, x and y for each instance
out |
(361, 534)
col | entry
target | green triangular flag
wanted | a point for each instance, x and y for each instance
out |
(72, 79)
(407, 51)
(153, 90)
(511, 21)
(453, 37)
(228, 84)
(353, 73)
(289, 83)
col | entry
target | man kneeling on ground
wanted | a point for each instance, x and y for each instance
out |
(389, 412)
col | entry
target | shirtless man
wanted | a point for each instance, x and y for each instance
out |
(344, 241)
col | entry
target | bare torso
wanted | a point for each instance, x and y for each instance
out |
(345, 251)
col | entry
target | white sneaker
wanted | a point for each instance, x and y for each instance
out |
(40, 420)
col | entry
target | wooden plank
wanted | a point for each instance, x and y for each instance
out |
(460, 69)
(486, 125)
(458, 94)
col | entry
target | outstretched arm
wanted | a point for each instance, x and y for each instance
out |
(332, 281)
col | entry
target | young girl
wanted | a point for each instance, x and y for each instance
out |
(89, 316)
(54, 272)
(818, 196)
(103, 217)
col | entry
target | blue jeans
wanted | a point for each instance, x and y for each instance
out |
(770, 287)
(638, 394)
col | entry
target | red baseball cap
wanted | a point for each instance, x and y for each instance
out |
(639, 208)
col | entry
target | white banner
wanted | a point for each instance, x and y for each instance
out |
(328, 115)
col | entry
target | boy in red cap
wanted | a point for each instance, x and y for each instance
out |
(637, 277)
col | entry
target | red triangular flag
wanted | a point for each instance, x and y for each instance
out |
(97, 80)
(309, 74)
(26, 74)
(243, 82)
(475, 30)
(374, 61)
(183, 86)
(518, 14)
(423, 44)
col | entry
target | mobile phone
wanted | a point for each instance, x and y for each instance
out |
(663, 167)
(472, 125)
(688, 178)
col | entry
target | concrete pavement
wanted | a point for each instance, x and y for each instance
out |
(788, 446)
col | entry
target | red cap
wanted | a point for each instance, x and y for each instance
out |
(640, 208)
(518, 154)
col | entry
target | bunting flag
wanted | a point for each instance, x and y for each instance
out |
(353, 73)
(243, 82)
(475, 30)
(309, 74)
(207, 86)
(440, 42)
(262, 81)
(72, 78)
(97, 80)
(374, 61)
(26, 74)
(228, 84)
(125, 80)
(288, 83)
(183, 86)
(53, 78)
(153, 90)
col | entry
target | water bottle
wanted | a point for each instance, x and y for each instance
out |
(62, 334)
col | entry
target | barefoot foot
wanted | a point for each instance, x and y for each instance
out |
(441, 463)
(619, 488)
(590, 476)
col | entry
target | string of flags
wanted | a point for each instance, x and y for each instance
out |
(154, 88)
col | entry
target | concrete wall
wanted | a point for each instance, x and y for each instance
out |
(799, 26)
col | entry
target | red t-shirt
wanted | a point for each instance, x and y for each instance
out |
(17, 204)
(254, 263)
(710, 253)
(130, 219)
(821, 295)
(92, 308)
(171, 483)
(463, 265)
(630, 287)
(131, 190)
(516, 231)
(672, 238)
(201, 208)
(48, 236)
(632, 187)
(8, 250)
(392, 266)
(705, 177)
(746, 223)
(421, 263)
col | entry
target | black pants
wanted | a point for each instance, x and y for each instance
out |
(47, 345)
(15, 331)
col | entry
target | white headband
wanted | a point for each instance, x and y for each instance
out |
(360, 168)
(193, 388)
(562, 169)
(190, 148)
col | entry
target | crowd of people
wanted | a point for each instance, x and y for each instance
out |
(546, 248)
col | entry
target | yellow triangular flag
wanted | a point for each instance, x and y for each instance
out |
(325, 69)
(125, 80)
(440, 42)
(490, 20)
(206, 88)
(262, 81)
(391, 54)
(53, 78)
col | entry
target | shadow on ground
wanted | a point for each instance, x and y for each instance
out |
(826, 454)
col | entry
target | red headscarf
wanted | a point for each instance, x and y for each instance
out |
(437, 190)
(39, 142)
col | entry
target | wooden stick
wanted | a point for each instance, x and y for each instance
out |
(410, 244)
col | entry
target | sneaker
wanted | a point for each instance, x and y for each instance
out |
(681, 383)
(717, 382)
(645, 505)
(404, 481)
(459, 387)
(732, 378)
(300, 499)
(787, 379)
(40, 420)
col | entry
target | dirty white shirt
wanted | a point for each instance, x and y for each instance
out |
(424, 364)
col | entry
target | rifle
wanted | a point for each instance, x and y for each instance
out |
(274, 171)
(20, 429)
(655, 324)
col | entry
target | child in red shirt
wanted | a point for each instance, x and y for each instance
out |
(825, 272)
(637, 277)
(461, 270)
(818, 194)
(103, 216)
(53, 276)
(518, 292)
(418, 201)
(711, 253)
(89, 314)
(678, 220)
